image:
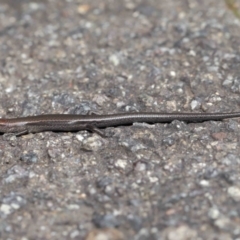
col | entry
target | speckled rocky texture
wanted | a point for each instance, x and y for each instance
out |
(162, 181)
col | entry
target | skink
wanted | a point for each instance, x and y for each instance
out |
(66, 122)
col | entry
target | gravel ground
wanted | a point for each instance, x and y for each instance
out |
(162, 181)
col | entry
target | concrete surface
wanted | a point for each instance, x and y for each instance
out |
(161, 181)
